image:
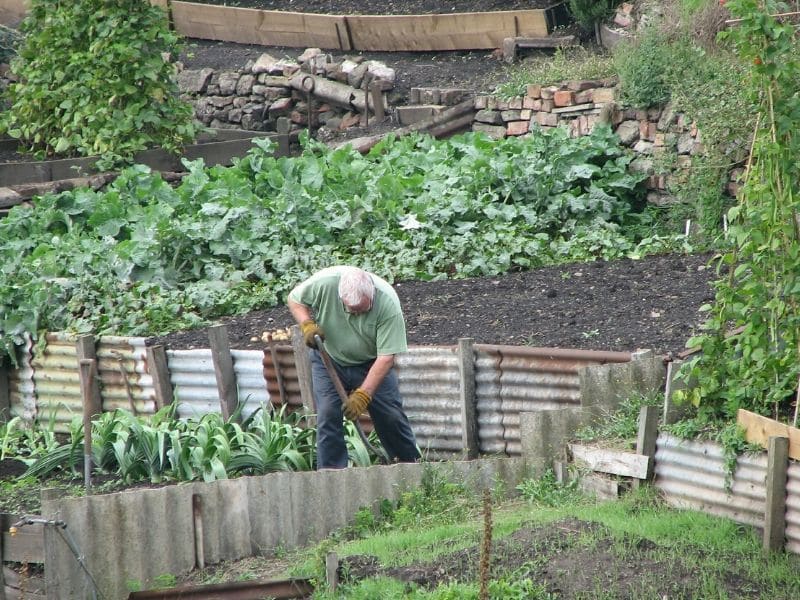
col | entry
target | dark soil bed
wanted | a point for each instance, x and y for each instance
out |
(389, 7)
(623, 305)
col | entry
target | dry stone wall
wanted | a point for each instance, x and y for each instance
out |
(663, 140)
(256, 96)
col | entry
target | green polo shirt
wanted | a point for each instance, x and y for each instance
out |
(353, 339)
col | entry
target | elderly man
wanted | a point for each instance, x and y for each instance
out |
(358, 316)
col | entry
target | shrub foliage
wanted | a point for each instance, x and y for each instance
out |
(93, 80)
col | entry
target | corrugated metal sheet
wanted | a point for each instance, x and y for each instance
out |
(124, 380)
(793, 507)
(431, 391)
(195, 384)
(286, 368)
(512, 379)
(57, 381)
(692, 475)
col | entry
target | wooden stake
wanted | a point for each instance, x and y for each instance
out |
(223, 369)
(87, 369)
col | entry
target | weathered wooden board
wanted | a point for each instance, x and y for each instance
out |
(213, 153)
(265, 27)
(614, 462)
(759, 429)
(444, 32)
(27, 546)
(12, 12)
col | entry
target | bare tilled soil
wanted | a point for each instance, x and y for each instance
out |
(388, 7)
(622, 305)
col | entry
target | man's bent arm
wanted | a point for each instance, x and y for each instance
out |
(377, 372)
(300, 312)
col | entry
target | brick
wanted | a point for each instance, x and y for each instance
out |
(546, 119)
(549, 92)
(493, 131)
(547, 105)
(518, 128)
(604, 95)
(525, 114)
(510, 115)
(515, 103)
(480, 102)
(492, 117)
(429, 96)
(502, 105)
(528, 102)
(281, 105)
(406, 115)
(584, 97)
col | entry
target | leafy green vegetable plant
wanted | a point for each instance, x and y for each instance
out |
(144, 258)
(93, 80)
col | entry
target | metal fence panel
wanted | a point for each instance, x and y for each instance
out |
(514, 379)
(430, 386)
(793, 507)
(195, 383)
(692, 475)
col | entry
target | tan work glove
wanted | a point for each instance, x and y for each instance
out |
(309, 329)
(356, 403)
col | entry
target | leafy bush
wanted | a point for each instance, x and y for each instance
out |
(146, 258)
(643, 65)
(93, 81)
(588, 13)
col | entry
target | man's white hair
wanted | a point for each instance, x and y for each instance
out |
(355, 285)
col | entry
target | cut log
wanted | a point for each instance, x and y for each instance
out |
(334, 92)
(462, 112)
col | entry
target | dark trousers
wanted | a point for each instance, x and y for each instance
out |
(386, 410)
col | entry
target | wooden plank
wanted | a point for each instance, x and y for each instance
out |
(252, 26)
(26, 546)
(460, 31)
(469, 405)
(626, 464)
(223, 369)
(158, 368)
(759, 429)
(12, 12)
(85, 349)
(775, 506)
(302, 363)
(5, 392)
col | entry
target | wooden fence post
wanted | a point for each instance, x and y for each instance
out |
(283, 126)
(85, 350)
(88, 367)
(469, 409)
(5, 398)
(159, 370)
(775, 505)
(303, 365)
(646, 438)
(223, 369)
